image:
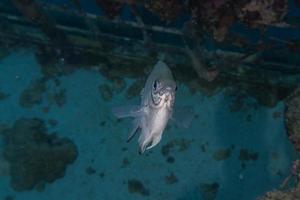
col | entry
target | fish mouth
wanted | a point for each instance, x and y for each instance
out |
(163, 96)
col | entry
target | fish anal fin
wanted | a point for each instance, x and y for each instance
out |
(134, 130)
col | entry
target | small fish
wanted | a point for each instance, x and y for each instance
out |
(157, 101)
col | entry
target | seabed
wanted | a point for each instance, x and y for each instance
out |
(225, 154)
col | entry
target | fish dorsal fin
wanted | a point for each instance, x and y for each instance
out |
(142, 92)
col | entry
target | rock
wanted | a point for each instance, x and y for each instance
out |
(35, 157)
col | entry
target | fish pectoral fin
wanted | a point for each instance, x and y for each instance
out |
(127, 111)
(134, 130)
(183, 116)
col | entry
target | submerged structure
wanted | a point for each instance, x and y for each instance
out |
(250, 48)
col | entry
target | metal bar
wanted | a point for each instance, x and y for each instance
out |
(56, 8)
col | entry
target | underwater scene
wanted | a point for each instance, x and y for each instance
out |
(150, 99)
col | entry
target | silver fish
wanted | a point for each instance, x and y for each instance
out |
(152, 116)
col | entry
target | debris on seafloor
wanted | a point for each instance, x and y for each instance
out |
(52, 62)
(292, 118)
(3, 95)
(177, 144)
(136, 186)
(118, 85)
(248, 155)
(57, 97)
(33, 94)
(134, 89)
(111, 8)
(34, 156)
(90, 170)
(209, 191)
(199, 66)
(125, 162)
(167, 10)
(222, 154)
(105, 92)
(171, 179)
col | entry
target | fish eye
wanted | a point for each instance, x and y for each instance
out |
(155, 84)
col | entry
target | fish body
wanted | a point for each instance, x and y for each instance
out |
(157, 101)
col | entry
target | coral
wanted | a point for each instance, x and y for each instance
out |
(267, 12)
(292, 118)
(167, 10)
(291, 194)
(34, 156)
(33, 94)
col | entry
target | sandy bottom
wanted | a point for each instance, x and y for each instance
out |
(206, 161)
